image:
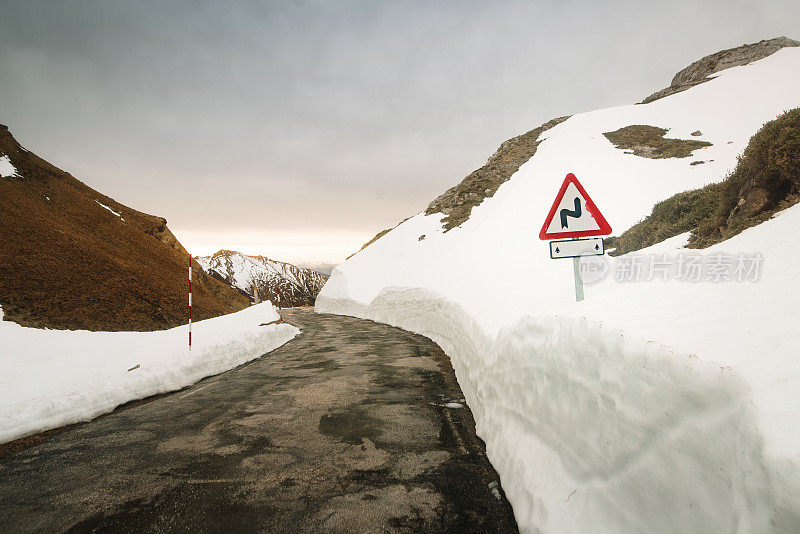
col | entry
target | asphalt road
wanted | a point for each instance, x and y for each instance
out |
(343, 429)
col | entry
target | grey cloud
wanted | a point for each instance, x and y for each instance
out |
(354, 113)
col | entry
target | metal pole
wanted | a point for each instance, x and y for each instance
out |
(576, 271)
(190, 302)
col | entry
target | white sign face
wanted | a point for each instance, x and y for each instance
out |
(571, 214)
(573, 248)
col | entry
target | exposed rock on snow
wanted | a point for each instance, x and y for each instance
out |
(274, 280)
(699, 71)
(649, 142)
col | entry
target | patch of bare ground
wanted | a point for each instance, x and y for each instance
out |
(649, 142)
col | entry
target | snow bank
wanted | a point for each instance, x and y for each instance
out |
(650, 406)
(50, 378)
(657, 407)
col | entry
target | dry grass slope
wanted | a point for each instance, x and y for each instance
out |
(67, 262)
(676, 215)
(765, 181)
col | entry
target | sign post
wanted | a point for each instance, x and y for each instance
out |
(576, 272)
(573, 216)
(190, 303)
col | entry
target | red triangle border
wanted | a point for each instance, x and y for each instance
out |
(605, 228)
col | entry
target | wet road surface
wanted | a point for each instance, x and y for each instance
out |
(343, 429)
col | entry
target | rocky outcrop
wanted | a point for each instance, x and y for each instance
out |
(265, 279)
(73, 258)
(699, 71)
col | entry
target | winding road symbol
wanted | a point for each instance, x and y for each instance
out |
(587, 221)
(576, 213)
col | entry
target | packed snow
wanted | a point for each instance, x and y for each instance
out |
(50, 378)
(7, 169)
(651, 406)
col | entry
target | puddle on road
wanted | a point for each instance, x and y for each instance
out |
(350, 426)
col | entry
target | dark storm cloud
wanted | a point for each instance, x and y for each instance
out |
(326, 116)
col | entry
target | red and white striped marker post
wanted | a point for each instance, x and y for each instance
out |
(190, 302)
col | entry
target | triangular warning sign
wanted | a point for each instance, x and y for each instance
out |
(573, 214)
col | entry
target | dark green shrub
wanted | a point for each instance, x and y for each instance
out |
(766, 179)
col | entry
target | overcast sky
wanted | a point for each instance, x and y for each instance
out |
(300, 129)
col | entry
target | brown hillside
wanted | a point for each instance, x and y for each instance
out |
(67, 262)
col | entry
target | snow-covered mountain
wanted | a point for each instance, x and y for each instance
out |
(276, 281)
(659, 403)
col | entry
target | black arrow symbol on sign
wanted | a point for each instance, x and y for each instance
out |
(557, 251)
(597, 247)
(570, 213)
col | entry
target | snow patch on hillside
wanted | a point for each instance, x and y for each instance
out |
(652, 406)
(109, 209)
(7, 169)
(50, 378)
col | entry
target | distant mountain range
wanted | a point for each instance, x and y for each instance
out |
(325, 268)
(265, 279)
(73, 258)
